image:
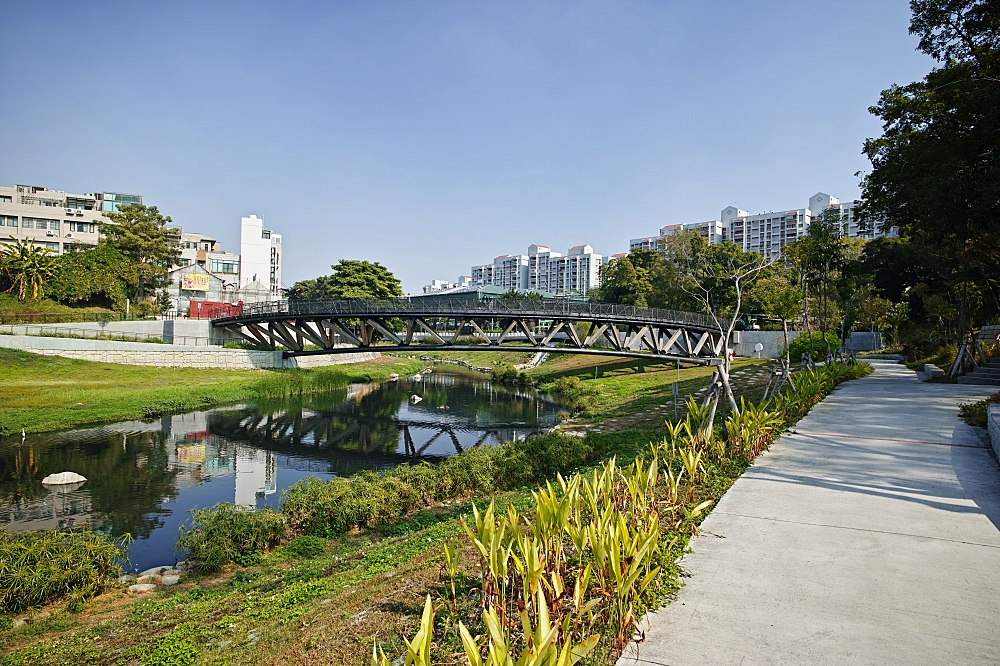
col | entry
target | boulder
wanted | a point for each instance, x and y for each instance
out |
(172, 579)
(155, 571)
(63, 478)
(141, 587)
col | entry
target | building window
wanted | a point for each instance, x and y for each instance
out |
(37, 223)
(9, 221)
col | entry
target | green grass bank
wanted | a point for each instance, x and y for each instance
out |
(45, 393)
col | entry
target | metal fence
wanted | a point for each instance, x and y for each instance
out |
(57, 317)
(486, 308)
(114, 336)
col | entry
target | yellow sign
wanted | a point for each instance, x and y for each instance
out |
(194, 282)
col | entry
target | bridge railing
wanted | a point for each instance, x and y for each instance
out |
(485, 308)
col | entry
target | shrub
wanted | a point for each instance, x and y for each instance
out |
(976, 413)
(37, 568)
(804, 341)
(305, 546)
(226, 534)
(575, 394)
(329, 508)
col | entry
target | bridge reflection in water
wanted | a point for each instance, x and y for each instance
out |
(378, 428)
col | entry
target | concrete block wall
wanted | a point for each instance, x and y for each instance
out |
(196, 332)
(173, 356)
(773, 341)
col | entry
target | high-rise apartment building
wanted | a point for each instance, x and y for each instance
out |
(767, 233)
(260, 255)
(543, 270)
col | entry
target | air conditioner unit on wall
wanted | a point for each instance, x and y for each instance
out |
(68, 235)
(50, 233)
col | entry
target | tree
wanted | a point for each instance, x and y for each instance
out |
(775, 296)
(100, 275)
(26, 267)
(351, 280)
(715, 276)
(516, 295)
(628, 280)
(643, 278)
(936, 167)
(142, 234)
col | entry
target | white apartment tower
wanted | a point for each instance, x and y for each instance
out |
(260, 255)
(543, 270)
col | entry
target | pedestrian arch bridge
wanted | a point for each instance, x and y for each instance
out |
(305, 328)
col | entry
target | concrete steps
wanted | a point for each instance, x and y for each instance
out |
(987, 375)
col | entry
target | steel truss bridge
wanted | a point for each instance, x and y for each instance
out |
(399, 325)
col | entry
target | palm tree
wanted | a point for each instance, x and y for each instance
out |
(26, 266)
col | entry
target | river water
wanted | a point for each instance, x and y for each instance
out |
(144, 478)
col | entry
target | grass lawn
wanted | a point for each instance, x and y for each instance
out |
(637, 393)
(43, 393)
(482, 359)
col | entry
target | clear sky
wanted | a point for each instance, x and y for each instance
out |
(431, 136)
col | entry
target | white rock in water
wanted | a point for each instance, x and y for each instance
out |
(63, 478)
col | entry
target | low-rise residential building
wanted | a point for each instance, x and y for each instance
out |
(55, 219)
(196, 247)
(443, 285)
(224, 264)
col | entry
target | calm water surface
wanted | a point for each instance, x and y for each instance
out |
(144, 478)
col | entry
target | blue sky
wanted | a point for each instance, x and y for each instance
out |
(431, 136)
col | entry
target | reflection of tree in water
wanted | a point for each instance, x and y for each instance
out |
(127, 478)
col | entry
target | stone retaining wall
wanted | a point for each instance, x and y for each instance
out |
(175, 356)
(993, 425)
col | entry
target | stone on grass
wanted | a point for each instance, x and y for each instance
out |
(155, 571)
(172, 579)
(141, 587)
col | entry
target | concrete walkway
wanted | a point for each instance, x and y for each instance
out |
(869, 535)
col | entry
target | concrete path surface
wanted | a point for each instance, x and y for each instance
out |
(867, 535)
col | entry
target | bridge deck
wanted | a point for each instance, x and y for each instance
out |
(321, 327)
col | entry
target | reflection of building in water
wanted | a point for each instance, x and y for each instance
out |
(61, 508)
(256, 475)
(199, 456)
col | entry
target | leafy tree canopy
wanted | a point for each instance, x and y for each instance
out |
(936, 167)
(143, 235)
(351, 279)
(101, 275)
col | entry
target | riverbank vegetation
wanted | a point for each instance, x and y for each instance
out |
(37, 568)
(977, 413)
(44, 393)
(382, 554)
